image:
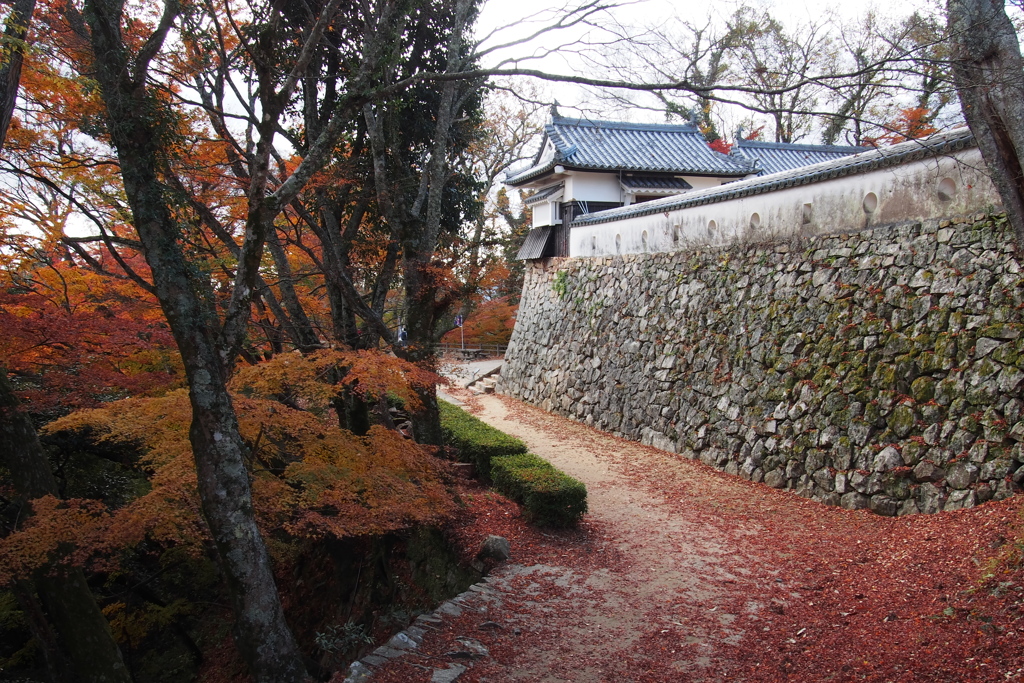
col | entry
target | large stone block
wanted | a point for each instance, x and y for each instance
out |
(854, 501)
(962, 474)
(888, 458)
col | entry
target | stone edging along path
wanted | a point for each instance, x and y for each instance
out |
(480, 597)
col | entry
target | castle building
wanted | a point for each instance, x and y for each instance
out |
(585, 167)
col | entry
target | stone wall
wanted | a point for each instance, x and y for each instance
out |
(881, 369)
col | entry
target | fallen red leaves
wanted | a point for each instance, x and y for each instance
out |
(683, 573)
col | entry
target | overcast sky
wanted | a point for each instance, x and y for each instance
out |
(514, 15)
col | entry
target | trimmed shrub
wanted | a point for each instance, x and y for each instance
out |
(476, 442)
(550, 497)
(506, 472)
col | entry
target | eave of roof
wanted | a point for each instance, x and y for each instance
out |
(531, 173)
(912, 150)
(543, 194)
(645, 182)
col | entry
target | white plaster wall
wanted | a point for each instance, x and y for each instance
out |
(905, 192)
(592, 187)
(545, 213)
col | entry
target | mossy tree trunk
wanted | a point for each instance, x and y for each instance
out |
(138, 125)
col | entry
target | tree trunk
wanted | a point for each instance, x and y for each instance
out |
(421, 322)
(10, 70)
(301, 329)
(70, 605)
(418, 223)
(989, 74)
(83, 629)
(136, 123)
(55, 659)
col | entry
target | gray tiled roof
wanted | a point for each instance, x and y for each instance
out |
(774, 157)
(912, 150)
(647, 182)
(543, 194)
(613, 146)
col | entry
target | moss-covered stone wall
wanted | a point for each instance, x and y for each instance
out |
(881, 369)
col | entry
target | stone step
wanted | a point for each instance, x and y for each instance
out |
(485, 384)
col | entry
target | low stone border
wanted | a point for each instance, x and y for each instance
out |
(479, 597)
(407, 641)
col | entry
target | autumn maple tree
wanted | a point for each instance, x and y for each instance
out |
(29, 491)
(74, 337)
(313, 483)
(200, 194)
(311, 480)
(911, 123)
(490, 324)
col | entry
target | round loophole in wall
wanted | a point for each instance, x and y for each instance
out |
(643, 240)
(870, 202)
(947, 189)
(712, 226)
(755, 221)
(618, 244)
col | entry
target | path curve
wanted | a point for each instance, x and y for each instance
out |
(675, 566)
(683, 573)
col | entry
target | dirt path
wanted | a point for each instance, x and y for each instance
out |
(682, 573)
(672, 569)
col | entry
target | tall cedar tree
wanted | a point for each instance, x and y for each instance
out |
(417, 199)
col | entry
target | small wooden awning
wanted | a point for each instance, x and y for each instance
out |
(536, 243)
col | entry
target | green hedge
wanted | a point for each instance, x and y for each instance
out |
(476, 442)
(506, 473)
(551, 497)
